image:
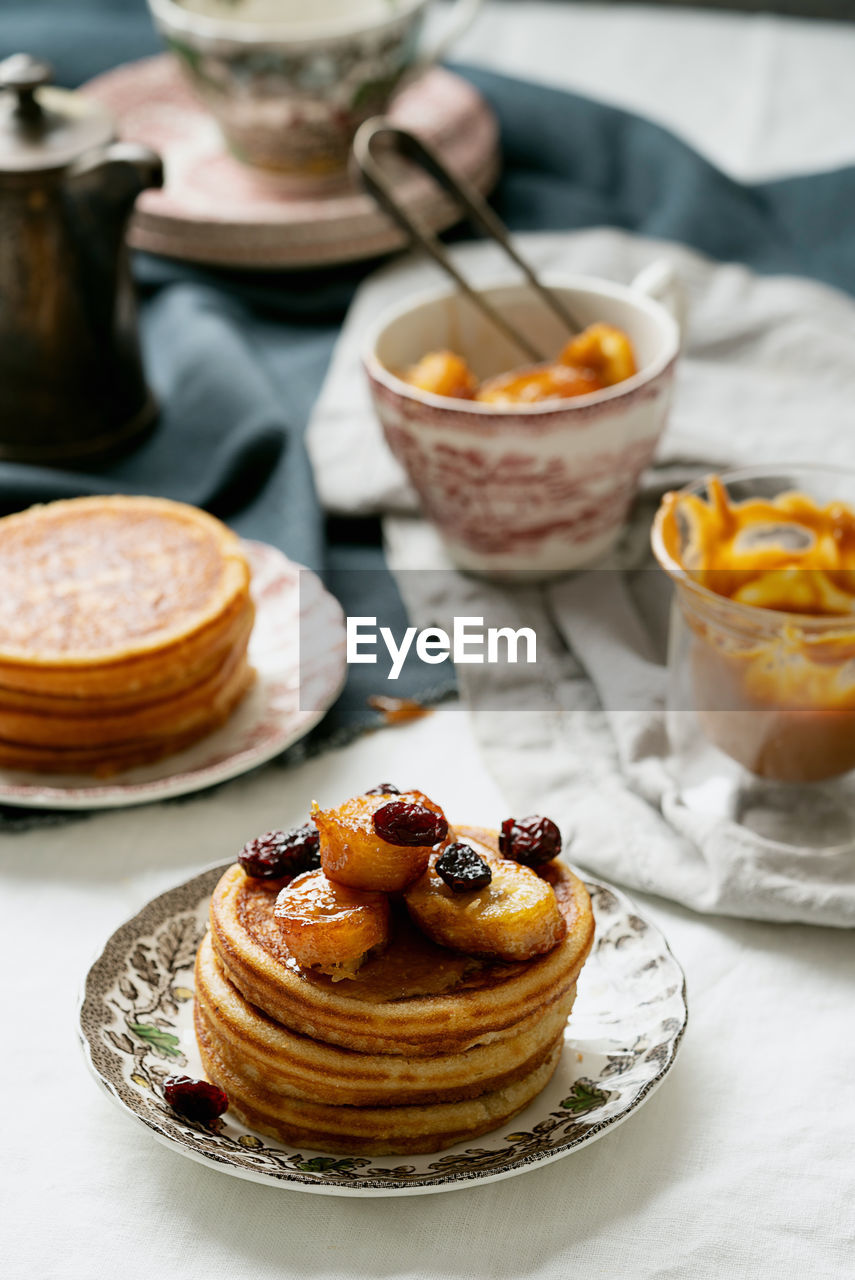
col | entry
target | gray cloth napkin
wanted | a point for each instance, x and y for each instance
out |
(767, 377)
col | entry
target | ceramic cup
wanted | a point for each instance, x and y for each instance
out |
(540, 488)
(290, 82)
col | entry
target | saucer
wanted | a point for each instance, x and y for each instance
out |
(286, 701)
(215, 210)
(136, 1027)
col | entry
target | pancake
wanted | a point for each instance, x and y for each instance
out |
(124, 632)
(93, 724)
(128, 685)
(416, 998)
(101, 593)
(103, 761)
(424, 1047)
(385, 1130)
(271, 1057)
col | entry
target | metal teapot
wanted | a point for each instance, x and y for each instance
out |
(71, 378)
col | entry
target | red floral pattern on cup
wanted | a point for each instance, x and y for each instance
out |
(539, 489)
(496, 504)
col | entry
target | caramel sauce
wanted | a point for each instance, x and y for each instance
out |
(410, 966)
(398, 710)
(540, 382)
(787, 553)
(775, 694)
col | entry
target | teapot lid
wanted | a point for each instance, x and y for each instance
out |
(42, 127)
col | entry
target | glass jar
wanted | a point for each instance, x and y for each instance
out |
(761, 702)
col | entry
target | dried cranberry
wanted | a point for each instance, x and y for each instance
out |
(531, 841)
(282, 853)
(383, 789)
(405, 822)
(195, 1099)
(463, 869)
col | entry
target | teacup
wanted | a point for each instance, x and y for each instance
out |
(290, 82)
(537, 489)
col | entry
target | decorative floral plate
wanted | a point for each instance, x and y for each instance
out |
(136, 1027)
(215, 209)
(286, 701)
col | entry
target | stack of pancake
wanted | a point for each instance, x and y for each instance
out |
(123, 632)
(423, 1048)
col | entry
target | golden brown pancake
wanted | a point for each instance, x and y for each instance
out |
(122, 690)
(94, 724)
(416, 997)
(106, 760)
(422, 1048)
(123, 633)
(262, 1050)
(387, 1130)
(93, 581)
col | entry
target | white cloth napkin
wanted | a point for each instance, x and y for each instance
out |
(767, 377)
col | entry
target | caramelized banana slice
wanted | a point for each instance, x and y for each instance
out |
(352, 852)
(444, 374)
(515, 917)
(604, 349)
(329, 927)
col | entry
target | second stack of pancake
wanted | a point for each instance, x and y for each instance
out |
(425, 1047)
(124, 632)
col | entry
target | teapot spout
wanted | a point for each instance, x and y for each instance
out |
(143, 166)
(113, 177)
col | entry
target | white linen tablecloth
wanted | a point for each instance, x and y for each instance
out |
(741, 1165)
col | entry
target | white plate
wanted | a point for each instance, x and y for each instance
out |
(136, 1026)
(283, 705)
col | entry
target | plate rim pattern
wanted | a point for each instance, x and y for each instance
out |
(337, 1175)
